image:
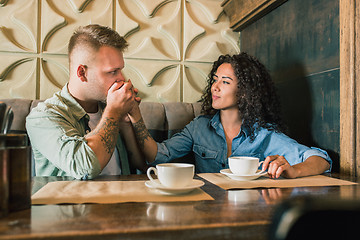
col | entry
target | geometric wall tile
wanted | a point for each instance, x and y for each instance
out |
(54, 74)
(195, 77)
(157, 81)
(206, 32)
(157, 35)
(18, 29)
(61, 18)
(169, 86)
(124, 24)
(17, 76)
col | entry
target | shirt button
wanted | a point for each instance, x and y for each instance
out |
(223, 165)
(203, 154)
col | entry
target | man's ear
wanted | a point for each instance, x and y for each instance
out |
(81, 72)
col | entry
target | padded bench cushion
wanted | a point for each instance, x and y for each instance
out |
(162, 119)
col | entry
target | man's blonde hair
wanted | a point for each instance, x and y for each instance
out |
(96, 36)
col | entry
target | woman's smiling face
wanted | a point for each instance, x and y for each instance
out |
(224, 88)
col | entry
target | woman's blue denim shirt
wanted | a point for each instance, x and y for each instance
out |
(205, 137)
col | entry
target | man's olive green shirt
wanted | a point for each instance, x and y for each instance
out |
(56, 128)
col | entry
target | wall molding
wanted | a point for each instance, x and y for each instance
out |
(244, 12)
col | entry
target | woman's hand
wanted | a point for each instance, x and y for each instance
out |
(278, 166)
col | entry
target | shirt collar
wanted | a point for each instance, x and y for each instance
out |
(246, 130)
(215, 120)
(75, 107)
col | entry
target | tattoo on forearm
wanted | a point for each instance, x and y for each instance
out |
(108, 131)
(141, 132)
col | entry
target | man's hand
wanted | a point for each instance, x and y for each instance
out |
(121, 98)
(137, 99)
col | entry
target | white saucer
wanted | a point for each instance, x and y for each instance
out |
(168, 190)
(228, 173)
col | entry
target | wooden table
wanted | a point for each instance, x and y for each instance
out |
(234, 214)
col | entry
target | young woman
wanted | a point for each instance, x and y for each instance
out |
(241, 118)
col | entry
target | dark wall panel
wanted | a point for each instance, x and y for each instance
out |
(299, 43)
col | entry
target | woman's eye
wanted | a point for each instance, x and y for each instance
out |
(225, 82)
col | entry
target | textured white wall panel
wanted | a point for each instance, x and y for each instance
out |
(18, 28)
(172, 44)
(156, 80)
(18, 79)
(194, 80)
(54, 74)
(60, 18)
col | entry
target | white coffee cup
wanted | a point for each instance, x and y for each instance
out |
(240, 165)
(173, 175)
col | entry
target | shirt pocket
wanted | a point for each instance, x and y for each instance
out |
(204, 152)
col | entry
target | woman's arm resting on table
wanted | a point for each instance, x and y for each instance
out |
(278, 165)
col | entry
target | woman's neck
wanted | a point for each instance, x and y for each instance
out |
(231, 122)
(230, 118)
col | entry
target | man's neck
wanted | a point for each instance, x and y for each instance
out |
(88, 106)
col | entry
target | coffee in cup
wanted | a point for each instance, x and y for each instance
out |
(173, 175)
(240, 165)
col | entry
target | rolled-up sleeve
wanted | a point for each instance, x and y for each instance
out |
(57, 142)
(313, 151)
(294, 152)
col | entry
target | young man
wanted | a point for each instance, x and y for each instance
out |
(74, 133)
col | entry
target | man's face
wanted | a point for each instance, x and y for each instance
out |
(104, 71)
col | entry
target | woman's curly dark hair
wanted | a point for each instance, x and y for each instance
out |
(257, 100)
